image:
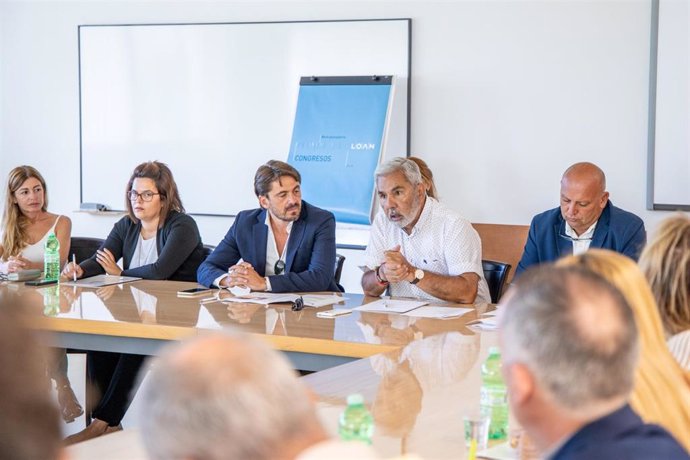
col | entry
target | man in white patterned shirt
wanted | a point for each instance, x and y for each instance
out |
(418, 247)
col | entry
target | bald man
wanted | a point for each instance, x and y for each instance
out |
(586, 218)
(226, 396)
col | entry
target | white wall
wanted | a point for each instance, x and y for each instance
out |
(505, 95)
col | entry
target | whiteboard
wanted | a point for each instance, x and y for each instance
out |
(669, 131)
(215, 101)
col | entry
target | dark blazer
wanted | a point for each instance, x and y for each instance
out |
(621, 434)
(617, 230)
(180, 251)
(310, 260)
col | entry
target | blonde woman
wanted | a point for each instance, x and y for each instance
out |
(427, 177)
(662, 390)
(666, 264)
(26, 224)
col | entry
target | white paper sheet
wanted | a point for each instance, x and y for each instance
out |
(100, 281)
(431, 311)
(391, 306)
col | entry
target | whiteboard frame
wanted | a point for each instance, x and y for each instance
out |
(407, 21)
(651, 123)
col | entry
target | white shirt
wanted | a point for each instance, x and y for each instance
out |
(145, 253)
(580, 242)
(441, 242)
(272, 255)
(679, 345)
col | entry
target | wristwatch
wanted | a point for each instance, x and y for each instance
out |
(418, 276)
(379, 279)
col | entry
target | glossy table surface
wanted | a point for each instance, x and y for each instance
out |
(141, 316)
(417, 394)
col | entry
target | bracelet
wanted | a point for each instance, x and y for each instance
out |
(380, 280)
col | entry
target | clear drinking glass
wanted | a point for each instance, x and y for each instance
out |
(476, 432)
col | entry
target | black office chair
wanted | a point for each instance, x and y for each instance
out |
(339, 262)
(83, 247)
(496, 274)
(208, 249)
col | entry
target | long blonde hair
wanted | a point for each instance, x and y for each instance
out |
(14, 222)
(427, 176)
(662, 390)
(665, 262)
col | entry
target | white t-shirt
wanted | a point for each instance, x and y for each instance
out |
(441, 242)
(145, 253)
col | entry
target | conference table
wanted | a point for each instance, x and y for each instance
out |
(418, 375)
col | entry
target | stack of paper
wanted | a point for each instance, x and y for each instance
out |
(391, 306)
(485, 324)
(438, 312)
(265, 298)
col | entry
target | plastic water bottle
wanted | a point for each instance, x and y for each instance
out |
(51, 300)
(493, 396)
(356, 422)
(51, 258)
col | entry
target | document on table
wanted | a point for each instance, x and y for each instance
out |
(100, 281)
(266, 298)
(391, 306)
(484, 324)
(431, 311)
(499, 452)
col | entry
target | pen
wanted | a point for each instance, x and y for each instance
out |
(74, 267)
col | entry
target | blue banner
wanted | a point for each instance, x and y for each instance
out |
(336, 145)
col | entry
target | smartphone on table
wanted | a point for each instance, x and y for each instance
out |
(194, 292)
(40, 282)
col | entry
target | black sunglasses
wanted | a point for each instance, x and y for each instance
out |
(279, 267)
(298, 304)
(570, 238)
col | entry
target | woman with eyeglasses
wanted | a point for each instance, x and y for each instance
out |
(156, 241)
(26, 225)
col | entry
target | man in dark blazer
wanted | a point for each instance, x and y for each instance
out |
(586, 218)
(569, 344)
(287, 245)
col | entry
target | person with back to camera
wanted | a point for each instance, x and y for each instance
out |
(666, 264)
(156, 241)
(569, 352)
(227, 395)
(662, 391)
(29, 421)
(26, 225)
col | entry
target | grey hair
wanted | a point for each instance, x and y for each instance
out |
(408, 167)
(575, 332)
(222, 396)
